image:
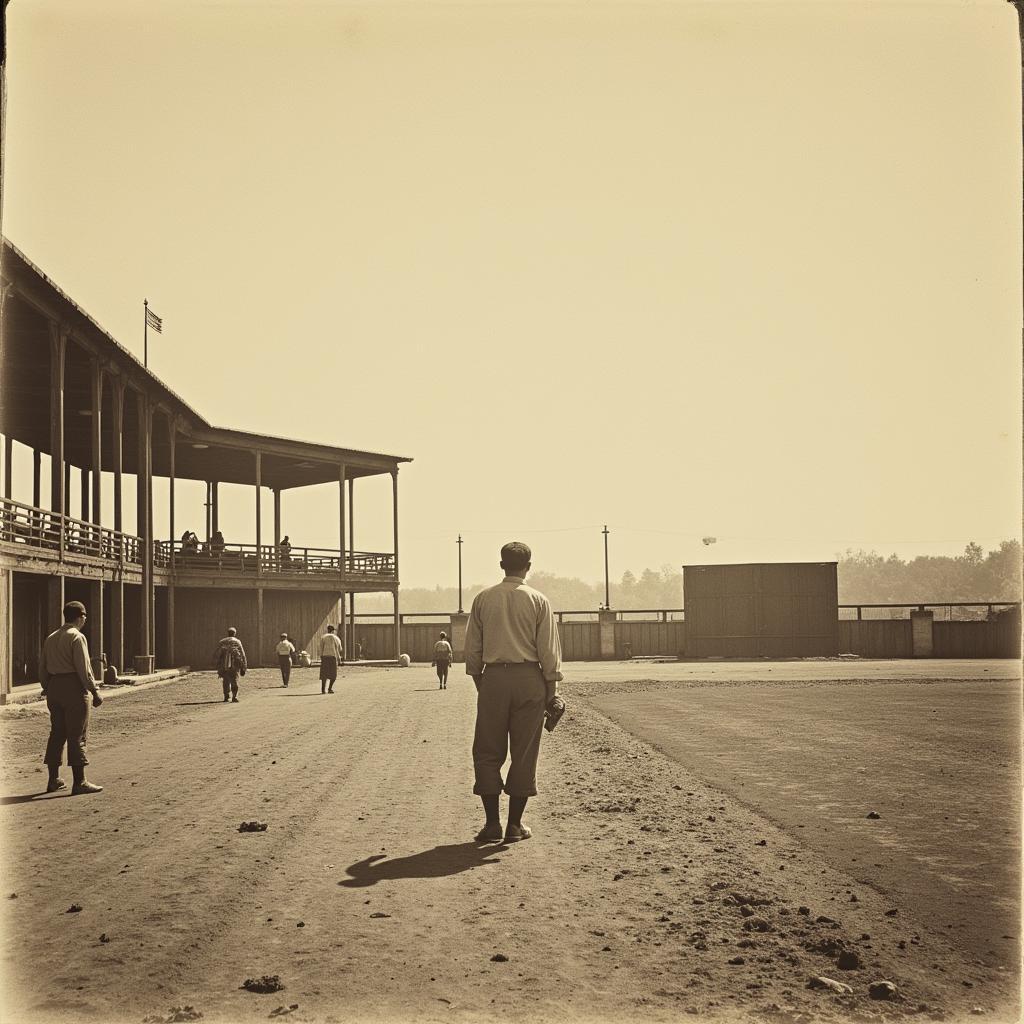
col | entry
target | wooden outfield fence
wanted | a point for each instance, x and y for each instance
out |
(959, 630)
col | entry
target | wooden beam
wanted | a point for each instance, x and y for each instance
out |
(37, 473)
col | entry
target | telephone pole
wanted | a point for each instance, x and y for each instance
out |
(607, 600)
(459, 542)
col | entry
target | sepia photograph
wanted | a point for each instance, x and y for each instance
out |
(604, 418)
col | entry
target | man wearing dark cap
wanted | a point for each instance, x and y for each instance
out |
(514, 655)
(65, 674)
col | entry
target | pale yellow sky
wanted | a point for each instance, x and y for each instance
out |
(747, 270)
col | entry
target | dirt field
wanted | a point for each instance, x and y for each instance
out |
(693, 852)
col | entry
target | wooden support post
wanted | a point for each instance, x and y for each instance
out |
(115, 643)
(172, 432)
(54, 603)
(259, 627)
(259, 519)
(58, 349)
(398, 626)
(398, 621)
(277, 520)
(144, 527)
(394, 492)
(117, 450)
(351, 548)
(341, 519)
(94, 627)
(8, 472)
(214, 506)
(37, 474)
(6, 633)
(97, 447)
(342, 627)
(170, 623)
(84, 474)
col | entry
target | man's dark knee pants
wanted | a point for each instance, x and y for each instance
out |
(509, 719)
(69, 720)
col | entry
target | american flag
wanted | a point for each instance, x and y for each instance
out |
(154, 321)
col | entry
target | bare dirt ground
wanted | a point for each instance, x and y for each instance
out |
(668, 874)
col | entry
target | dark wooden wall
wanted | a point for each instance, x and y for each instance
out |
(29, 626)
(303, 616)
(876, 638)
(773, 610)
(202, 617)
(996, 639)
(650, 638)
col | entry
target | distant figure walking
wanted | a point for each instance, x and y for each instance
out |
(231, 663)
(284, 550)
(217, 543)
(285, 650)
(65, 675)
(514, 655)
(331, 655)
(443, 656)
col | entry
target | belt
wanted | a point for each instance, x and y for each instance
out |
(510, 664)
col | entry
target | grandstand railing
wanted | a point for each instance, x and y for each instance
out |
(55, 533)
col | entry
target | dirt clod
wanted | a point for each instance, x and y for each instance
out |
(499, 958)
(849, 960)
(253, 826)
(75, 908)
(265, 983)
(883, 990)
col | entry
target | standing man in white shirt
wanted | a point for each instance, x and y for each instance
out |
(514, 655)
(331, 656)
(285, 649)
(443, 657)
(65, 675)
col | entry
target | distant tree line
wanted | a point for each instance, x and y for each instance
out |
(868, 578)
(865, 577)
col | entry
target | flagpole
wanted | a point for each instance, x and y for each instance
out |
(145, 333)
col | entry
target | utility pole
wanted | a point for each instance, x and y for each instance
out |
(459, 542)
(607, 600)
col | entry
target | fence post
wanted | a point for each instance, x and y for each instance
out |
(457, 633)
(606, 630)
(921, 633)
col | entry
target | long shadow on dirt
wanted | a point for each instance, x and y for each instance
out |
(435, 863)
